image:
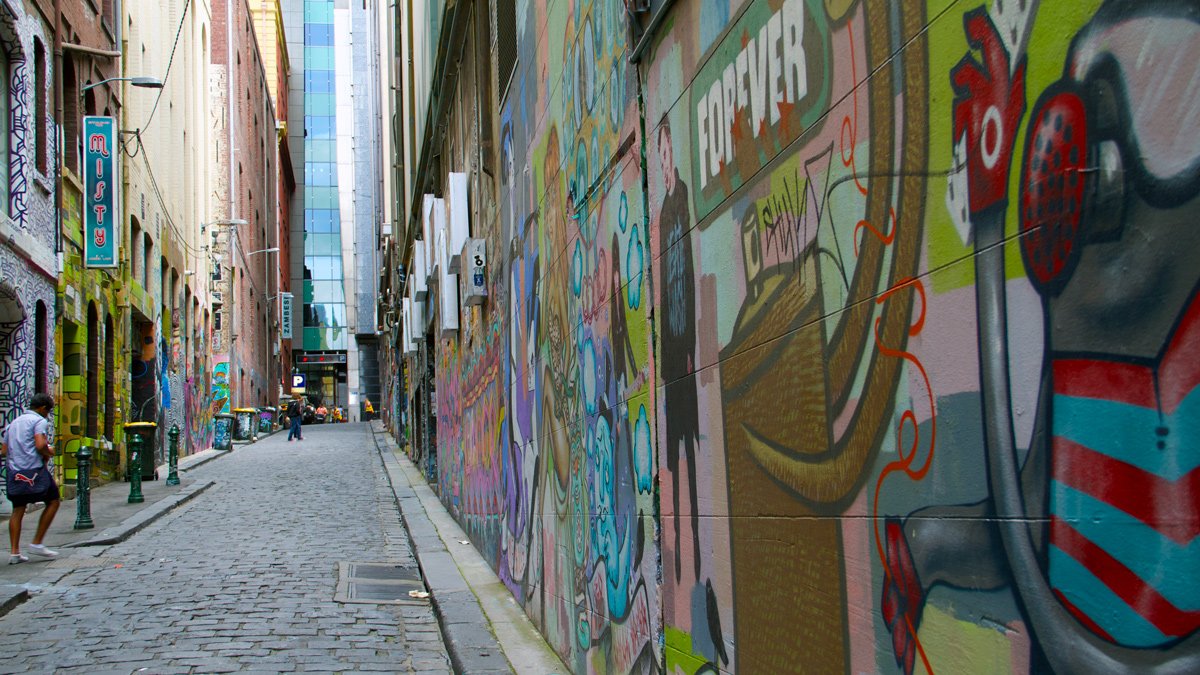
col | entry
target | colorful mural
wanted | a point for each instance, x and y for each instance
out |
(544, 443)
(925, 382)
(842, 335)
(27, 233)
(72, 340)
(220, 387)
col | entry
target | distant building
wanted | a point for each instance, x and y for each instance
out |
(334, 88)
(243, 238)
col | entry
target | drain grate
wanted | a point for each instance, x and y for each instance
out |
(378, 583)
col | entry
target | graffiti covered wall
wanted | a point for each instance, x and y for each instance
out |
(841, 335)
(544, 412)
(27, 223)
(927, 279)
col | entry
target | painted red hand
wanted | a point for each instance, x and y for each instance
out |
(988, 105)
(903, 597)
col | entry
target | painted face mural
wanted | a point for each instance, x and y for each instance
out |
(836, 262)
(856, 344)
(1105, 187)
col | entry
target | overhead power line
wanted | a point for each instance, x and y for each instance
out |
(179, 31)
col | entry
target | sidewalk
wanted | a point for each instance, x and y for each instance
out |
(477, 613)
(115, 520)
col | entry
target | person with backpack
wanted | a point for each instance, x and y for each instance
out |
(295, 412)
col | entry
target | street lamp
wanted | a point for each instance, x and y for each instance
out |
(145, 82)
(273, 249)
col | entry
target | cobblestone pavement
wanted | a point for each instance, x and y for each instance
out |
(242, 578)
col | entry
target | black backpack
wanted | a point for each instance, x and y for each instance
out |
(293, 409)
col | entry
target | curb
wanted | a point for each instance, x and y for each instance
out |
(467, 633)
(134, 524)
(205, 460)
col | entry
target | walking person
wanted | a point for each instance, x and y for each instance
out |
(295, 411)
(29, 459)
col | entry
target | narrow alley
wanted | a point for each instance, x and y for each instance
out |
(240, 579)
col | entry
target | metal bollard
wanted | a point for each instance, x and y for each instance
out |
(83, 496)
(135, 469)
(173, 455)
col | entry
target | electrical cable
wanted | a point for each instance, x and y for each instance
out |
(162, 201)
(170, 60)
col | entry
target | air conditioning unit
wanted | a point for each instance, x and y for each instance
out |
(420, 279)
(447, 288)
(427, 236)
(458, 208)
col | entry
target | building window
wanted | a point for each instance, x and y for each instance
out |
(5, 128)
(71, 147)
(93, 367)
(41, 375)
(483, 80)
(39, 103)
(136, 261)
(147, 256)
(505, 35)
(110, 383)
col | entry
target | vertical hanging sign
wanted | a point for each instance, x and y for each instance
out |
(100, 185)
(285, 316)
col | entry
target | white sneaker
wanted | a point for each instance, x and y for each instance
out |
(40, 550)
(16, 558)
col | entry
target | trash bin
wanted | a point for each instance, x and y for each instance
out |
(266, 420)
(147, 431)
(246, 428)
(223, 424)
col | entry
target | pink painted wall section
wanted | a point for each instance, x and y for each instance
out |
(883, 359)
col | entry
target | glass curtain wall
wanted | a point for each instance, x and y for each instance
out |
(324, 297)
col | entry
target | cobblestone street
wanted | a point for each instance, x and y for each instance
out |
(240, 579)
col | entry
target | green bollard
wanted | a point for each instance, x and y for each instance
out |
(83, 498)
(173, 455)
(135, 469)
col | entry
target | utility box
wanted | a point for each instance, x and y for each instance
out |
(474, 266)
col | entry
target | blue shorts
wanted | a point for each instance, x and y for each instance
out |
(50, 495)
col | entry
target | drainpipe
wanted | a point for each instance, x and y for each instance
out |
(229, 124)
(58, 150)
(648, 34)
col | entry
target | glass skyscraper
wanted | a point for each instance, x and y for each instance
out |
(324, 297)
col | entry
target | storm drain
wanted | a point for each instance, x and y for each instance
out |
(379, 584)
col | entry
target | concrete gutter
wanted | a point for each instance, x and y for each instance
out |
(471, 602)
(472, 646)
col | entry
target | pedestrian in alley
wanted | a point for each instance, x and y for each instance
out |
(29, 459)
(295, 411)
